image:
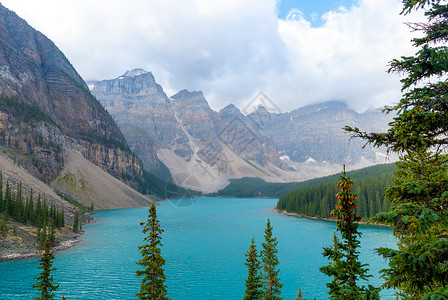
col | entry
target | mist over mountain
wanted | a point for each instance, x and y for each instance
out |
(189, 137)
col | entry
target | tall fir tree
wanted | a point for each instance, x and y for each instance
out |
(418, 217)
(271, 282)
(253, 283)
(76, 223)
(153, 278)
(345, 267)
(45, 279)
(299, 295)
(419, 134)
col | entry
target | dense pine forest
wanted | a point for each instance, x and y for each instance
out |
(256, 187)
(319, 200)
(26, 210)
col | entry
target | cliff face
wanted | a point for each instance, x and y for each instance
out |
(37, 79)
(142, 109)
(191, 138)
(315, 133)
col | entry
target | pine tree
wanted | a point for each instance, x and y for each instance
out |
(299, 295)
(76, 223)
(345, 267)
(271, 282)
(419, 220)
(45, 280)
(153, 278)
(42, 237)
(52, 234)
(254, 279)
(419, 212)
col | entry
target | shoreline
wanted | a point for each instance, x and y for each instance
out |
(64, 245)
(324, 219)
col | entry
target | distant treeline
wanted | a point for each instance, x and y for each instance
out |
(320, 199)
(159, 182)
(256, 187)
(22, 209)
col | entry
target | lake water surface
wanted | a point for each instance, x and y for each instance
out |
(204, 247)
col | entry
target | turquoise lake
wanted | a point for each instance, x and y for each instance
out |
(204, 245)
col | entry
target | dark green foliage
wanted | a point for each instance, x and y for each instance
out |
(256, 187)
(153, 277)
(319, 200)
(271, 282)
(27, 112)
(106, 141)
(20, 209)
(254, 278)
(344, 267)
(160, 183)
(439, 294)
(156, 181)
(45, 280)
(420, 222)
(83, 208)
(419, 267)
(76, 223)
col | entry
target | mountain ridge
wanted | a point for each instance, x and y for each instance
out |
(47, 109)
(217, 146)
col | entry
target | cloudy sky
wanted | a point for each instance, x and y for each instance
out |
(297, 52)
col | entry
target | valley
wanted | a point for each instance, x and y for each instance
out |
(178, 179)
(210, 147)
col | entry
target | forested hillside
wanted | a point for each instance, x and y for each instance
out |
(256, 187)
(319, 199)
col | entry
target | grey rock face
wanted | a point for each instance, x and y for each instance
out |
(135, 99)
(316, 132)
(186, 125)
(34, 72)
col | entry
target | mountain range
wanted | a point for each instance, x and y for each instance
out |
(204, 148)
(50, 116)
(112, 143)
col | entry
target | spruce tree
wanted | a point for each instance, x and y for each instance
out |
(76, 223)
(271, 282)
(42, 236)
(345, 267)
(299, 295)
(152, 275)
(253, 283)
(418, 217)
(419, 135)
(45, 280)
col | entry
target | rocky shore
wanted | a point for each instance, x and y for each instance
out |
(20, 241)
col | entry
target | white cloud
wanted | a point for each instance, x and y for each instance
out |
(232, 49)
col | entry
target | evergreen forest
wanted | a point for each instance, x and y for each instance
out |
(256, 187)
(28, 211)
(319, 200)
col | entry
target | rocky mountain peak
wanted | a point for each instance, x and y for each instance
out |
(229, 110)
(187, 94)
(135, 72)
(189, 99)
